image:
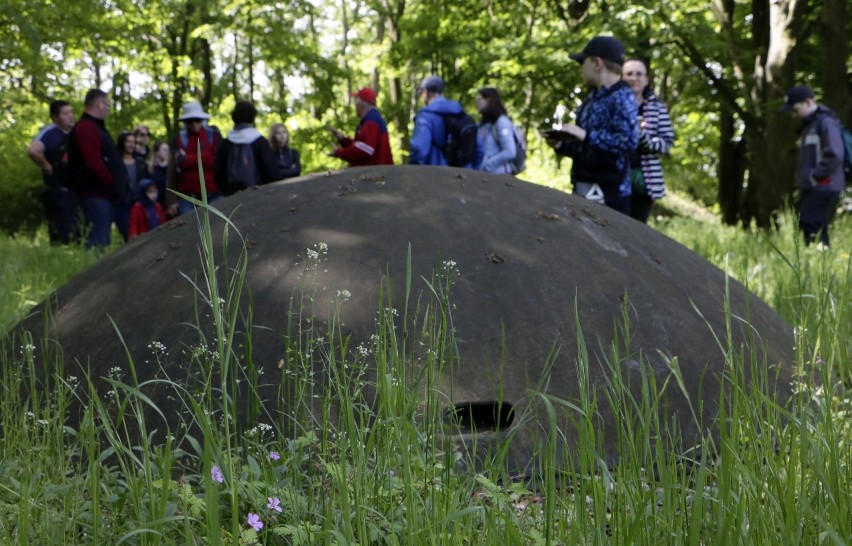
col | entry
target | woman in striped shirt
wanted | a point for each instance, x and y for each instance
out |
(656, 137)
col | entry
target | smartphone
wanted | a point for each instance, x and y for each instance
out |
(557, 134)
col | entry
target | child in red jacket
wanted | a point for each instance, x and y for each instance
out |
(146, 213)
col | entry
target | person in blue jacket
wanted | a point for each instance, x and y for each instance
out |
(429, 136)
(607, 132)
(496, 133)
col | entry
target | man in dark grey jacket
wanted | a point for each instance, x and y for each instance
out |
(819, 172)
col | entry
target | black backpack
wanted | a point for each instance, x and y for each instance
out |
(60, 165)
(461, 142)
(242, 168)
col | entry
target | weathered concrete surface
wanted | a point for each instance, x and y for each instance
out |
(524, 254)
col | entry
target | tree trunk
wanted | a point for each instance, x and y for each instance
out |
(835, 83)
(769, 135)
(731, 170)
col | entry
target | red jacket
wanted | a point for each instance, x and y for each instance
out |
(185, 146)
(139, 223)
(371, 145)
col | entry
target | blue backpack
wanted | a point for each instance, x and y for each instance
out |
(847, 152)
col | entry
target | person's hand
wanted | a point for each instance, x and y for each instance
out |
(173, 210)
(332, 153)
(577, 132)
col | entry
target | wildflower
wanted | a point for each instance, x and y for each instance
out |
(363, 350)
(254, 522)
(273, 504)
(274, 455)
(344, 294)
(216, 475)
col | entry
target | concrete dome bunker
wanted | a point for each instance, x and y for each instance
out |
(526, 257)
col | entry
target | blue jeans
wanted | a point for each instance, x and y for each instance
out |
(98, 212)
(185, 206)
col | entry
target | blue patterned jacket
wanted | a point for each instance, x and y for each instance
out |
(608, 115)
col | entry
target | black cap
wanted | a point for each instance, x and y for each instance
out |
(794, 96)
(605, 47)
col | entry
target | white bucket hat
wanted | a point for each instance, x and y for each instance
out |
(193, 110)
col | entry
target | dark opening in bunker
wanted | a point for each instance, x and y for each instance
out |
(478, 417)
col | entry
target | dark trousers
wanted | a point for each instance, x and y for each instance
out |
(612, 197)
(98, 214)
(640, 207)
(62, 209)
(122, 218)
(816, 207)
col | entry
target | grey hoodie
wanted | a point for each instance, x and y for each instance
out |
(820, 162)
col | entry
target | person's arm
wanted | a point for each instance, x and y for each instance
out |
(220, 170)
(365, 144)
(36, 153)
(89, 143)
(172, 175)
(268, 164)
(295, 168)
(421, 140)
(658, 137)
(831, 145)
(503, 133)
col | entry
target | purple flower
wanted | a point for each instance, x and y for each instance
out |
(254, 522)
(274, 455)
(216, 475)
(273, 504)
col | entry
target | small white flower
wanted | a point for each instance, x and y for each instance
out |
(344, 294)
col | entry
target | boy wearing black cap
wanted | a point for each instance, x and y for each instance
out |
(606, 133)
(819, 170)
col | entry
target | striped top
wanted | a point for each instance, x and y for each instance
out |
(655, 139)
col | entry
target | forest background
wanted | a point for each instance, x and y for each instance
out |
(722, 66)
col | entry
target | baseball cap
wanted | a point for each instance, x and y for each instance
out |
(605, 47)
(366, 94)
(433, 84)
(796, 95)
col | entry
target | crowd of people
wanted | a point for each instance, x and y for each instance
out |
(87, 176)
(621, 130)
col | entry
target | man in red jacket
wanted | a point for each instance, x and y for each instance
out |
(371, 145)
(98, 175)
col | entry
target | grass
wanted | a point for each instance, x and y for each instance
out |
(381, 471)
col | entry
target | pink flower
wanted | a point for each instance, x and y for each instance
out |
(254, 522)
(216, 475)
(273, 504)
(274, 455)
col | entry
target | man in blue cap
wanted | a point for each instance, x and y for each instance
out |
(430, 130)
(606, 133)
(819, 170)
